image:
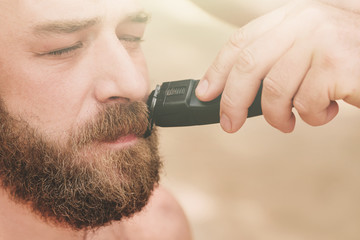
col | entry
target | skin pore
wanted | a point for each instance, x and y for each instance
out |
(73, 81)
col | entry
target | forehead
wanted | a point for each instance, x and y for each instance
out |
(28, 12)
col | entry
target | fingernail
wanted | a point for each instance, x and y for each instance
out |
(202, 87)
(225, 123)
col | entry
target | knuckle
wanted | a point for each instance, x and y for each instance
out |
(237, 40)
(300, 104)
(329, 60)
(227, 101)
(246, 61)
(311, 16)
(351, 91)
(217, 68)
(313, 12)
(345, 91)
(272, 87)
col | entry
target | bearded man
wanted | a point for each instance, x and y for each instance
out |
(74, 161)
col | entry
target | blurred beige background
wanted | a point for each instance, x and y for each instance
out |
(258, 183)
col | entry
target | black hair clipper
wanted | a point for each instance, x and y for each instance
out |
(174, 104)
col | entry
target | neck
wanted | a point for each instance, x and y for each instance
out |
(18, 222)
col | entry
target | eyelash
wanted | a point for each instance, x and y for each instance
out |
(64, 51)
(130, 42)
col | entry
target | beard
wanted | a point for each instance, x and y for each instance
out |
(81, 184)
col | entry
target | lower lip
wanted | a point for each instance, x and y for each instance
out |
(123, 142)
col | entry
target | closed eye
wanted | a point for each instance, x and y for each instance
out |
(63, 51)
(131, 42)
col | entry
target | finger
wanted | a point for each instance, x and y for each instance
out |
(353, 96)
(347, 85)
(312, 101)
(252, 65)
(213, 82)
(281, 84)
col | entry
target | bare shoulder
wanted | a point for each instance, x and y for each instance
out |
(162, 219)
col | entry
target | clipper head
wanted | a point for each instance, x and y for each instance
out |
(151, 103)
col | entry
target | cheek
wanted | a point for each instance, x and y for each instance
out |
(43, 96)
(53, 97)
(141, 65)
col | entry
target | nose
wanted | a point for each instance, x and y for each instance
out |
(119, 75)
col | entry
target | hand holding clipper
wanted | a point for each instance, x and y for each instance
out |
(174, 104)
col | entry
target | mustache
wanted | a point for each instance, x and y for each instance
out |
(112, 122)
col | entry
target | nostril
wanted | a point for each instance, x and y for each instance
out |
(118, 99)
(114, 98)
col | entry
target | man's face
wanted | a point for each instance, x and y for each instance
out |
(72, 83)
(62, 60)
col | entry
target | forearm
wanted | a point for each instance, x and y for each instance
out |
(239, 12)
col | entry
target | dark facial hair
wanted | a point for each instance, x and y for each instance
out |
(79, 184)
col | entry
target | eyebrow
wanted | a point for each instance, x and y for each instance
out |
(139, 17)
(68, 26)
(71, 26)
